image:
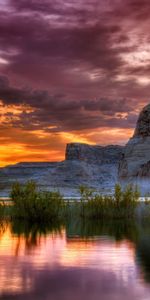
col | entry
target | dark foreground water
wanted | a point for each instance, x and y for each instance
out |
(89, 261)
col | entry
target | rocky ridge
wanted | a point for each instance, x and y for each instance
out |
(110, 154)
(93, 166)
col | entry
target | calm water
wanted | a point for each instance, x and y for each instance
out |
(77, 261)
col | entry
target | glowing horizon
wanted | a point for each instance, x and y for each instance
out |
(70, 72)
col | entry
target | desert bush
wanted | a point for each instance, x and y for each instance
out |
(121, 205)
(31, 204)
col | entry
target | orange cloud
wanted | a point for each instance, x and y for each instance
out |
(19, 145)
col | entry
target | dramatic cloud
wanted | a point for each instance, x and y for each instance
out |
(40, 110)
(74, 67)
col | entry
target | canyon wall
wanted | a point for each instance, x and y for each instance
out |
(94, 166)
(134, 167)
(94, 154)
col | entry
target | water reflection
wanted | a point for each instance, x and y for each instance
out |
(32, 233)
(143, 250)
(118, 230)
(78, 260)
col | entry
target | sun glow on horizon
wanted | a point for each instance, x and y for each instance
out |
(39, 146)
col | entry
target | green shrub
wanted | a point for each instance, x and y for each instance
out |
(31, 204)
(121, 205)
(28, 203)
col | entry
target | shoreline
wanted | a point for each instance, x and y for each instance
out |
(7, 200)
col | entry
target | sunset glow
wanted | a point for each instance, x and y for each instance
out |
(70, 72)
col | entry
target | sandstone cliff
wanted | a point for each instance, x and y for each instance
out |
(93, 166)
(94, 154)
(134, 166)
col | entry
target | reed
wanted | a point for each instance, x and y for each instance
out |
(31, 204)
(121, 205)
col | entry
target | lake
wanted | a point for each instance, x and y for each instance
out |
(76, 260)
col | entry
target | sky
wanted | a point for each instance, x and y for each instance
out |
(70, 71)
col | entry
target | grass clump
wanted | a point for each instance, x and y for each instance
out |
(121, 205)
(31, 204)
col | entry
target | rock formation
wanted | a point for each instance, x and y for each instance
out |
(94, 154)
(93, 166)
(134, 166)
